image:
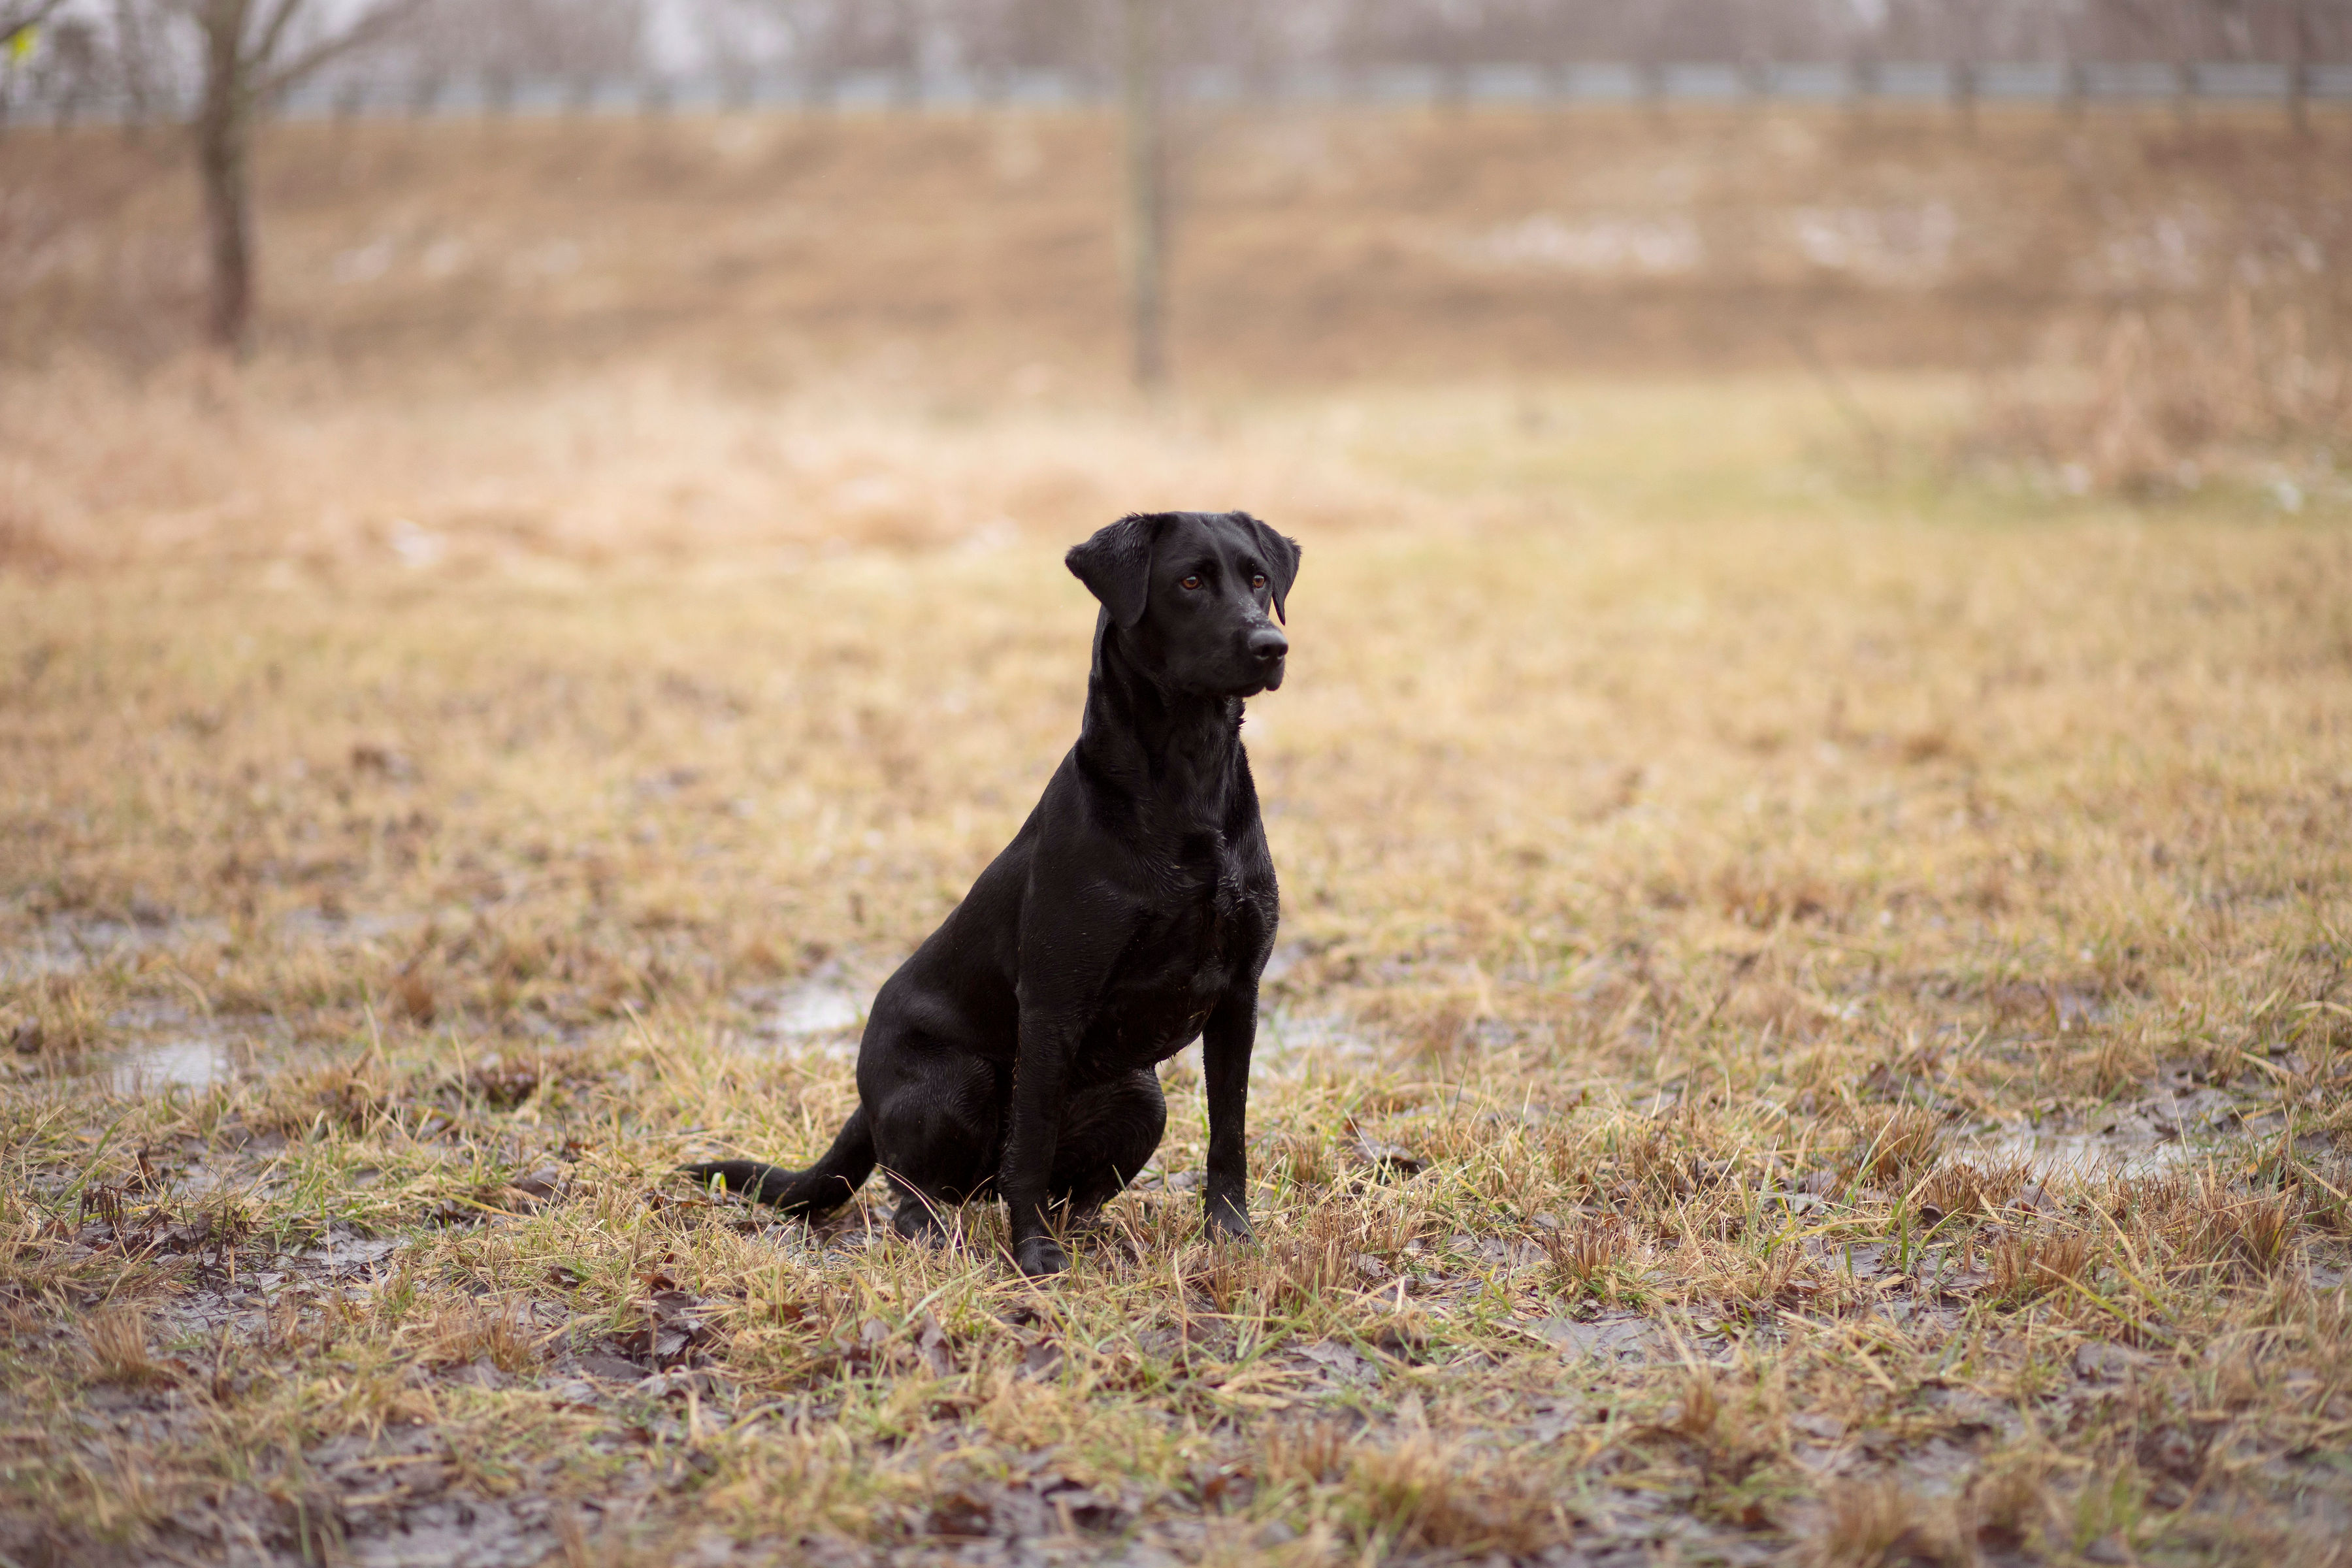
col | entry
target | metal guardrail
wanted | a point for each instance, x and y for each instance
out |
(28, 100)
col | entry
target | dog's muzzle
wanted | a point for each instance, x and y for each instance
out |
(1267, 648)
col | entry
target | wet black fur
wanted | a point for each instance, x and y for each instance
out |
(1013, 1053)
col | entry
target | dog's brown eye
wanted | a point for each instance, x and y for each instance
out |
(1258, 581)
(1191, 582)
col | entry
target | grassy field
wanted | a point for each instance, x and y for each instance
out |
(1810, 1017)
(1811, 1023)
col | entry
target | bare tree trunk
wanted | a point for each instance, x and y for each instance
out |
(244, 67)
(224, 143)
(2184, 70)
(2298, 66)
(1862, 72)
(1147, 181)
(1969, 19)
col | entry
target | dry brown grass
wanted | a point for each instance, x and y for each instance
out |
(2024, 1267)
(1893, 1146)
(1421, 1495)
(1812, 1012)
(1588, 1257)
(1880, 1524)
(117, 1341)
(2175, 399)
(974, 256)
(1701, 1139)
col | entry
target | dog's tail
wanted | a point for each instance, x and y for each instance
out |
(827, 1185)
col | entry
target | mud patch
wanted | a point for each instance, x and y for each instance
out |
(168, 1065)
(1304, 1044)
(2173, 1127)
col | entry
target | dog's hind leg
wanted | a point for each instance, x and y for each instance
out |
(939, 1136)
(1108, 1137)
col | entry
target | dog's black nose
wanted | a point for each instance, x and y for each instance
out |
(1267, 644)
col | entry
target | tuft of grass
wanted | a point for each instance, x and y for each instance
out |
(116, 1343)
(1895, 1145)
(2008, 1507)
(1304, 1454)
(1882, 1524)
(2024, 1267)
(2252, 1230)
(1422, 1495)
(1595, 1258)
(462, 1332)
(1974, 1191)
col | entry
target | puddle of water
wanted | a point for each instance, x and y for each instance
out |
(2080, 1155)
(345, 931)
(72, 945)
(65, 946)
(1293, 1045)
(1617, 1337)
(816, 1008)
(814, 1019)
(1286, 957)
(167, 1064)
(352, 1252)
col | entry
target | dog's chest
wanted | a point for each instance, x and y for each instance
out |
(1185, 957)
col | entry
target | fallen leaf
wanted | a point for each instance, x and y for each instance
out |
(961, 1514)
(1382, 1155)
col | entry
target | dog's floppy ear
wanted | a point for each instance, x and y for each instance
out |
(1281, 553)
(1116, 565)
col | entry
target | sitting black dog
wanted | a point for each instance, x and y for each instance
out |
(1015, 1051)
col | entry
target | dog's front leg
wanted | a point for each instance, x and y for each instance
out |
(1225, 1045)
(1041, 1073)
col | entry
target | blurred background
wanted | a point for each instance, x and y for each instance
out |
(2059, 247)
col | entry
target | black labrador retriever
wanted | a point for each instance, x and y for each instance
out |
(1015, 1051)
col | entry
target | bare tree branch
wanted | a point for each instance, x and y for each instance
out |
(369, 28)
(273, 33)
(23, 17)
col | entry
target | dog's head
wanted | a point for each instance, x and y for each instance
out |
(1191, 591)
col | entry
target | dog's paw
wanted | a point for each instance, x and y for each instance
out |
(1227, 1222)
(916, 1222)
(1040, 1256)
